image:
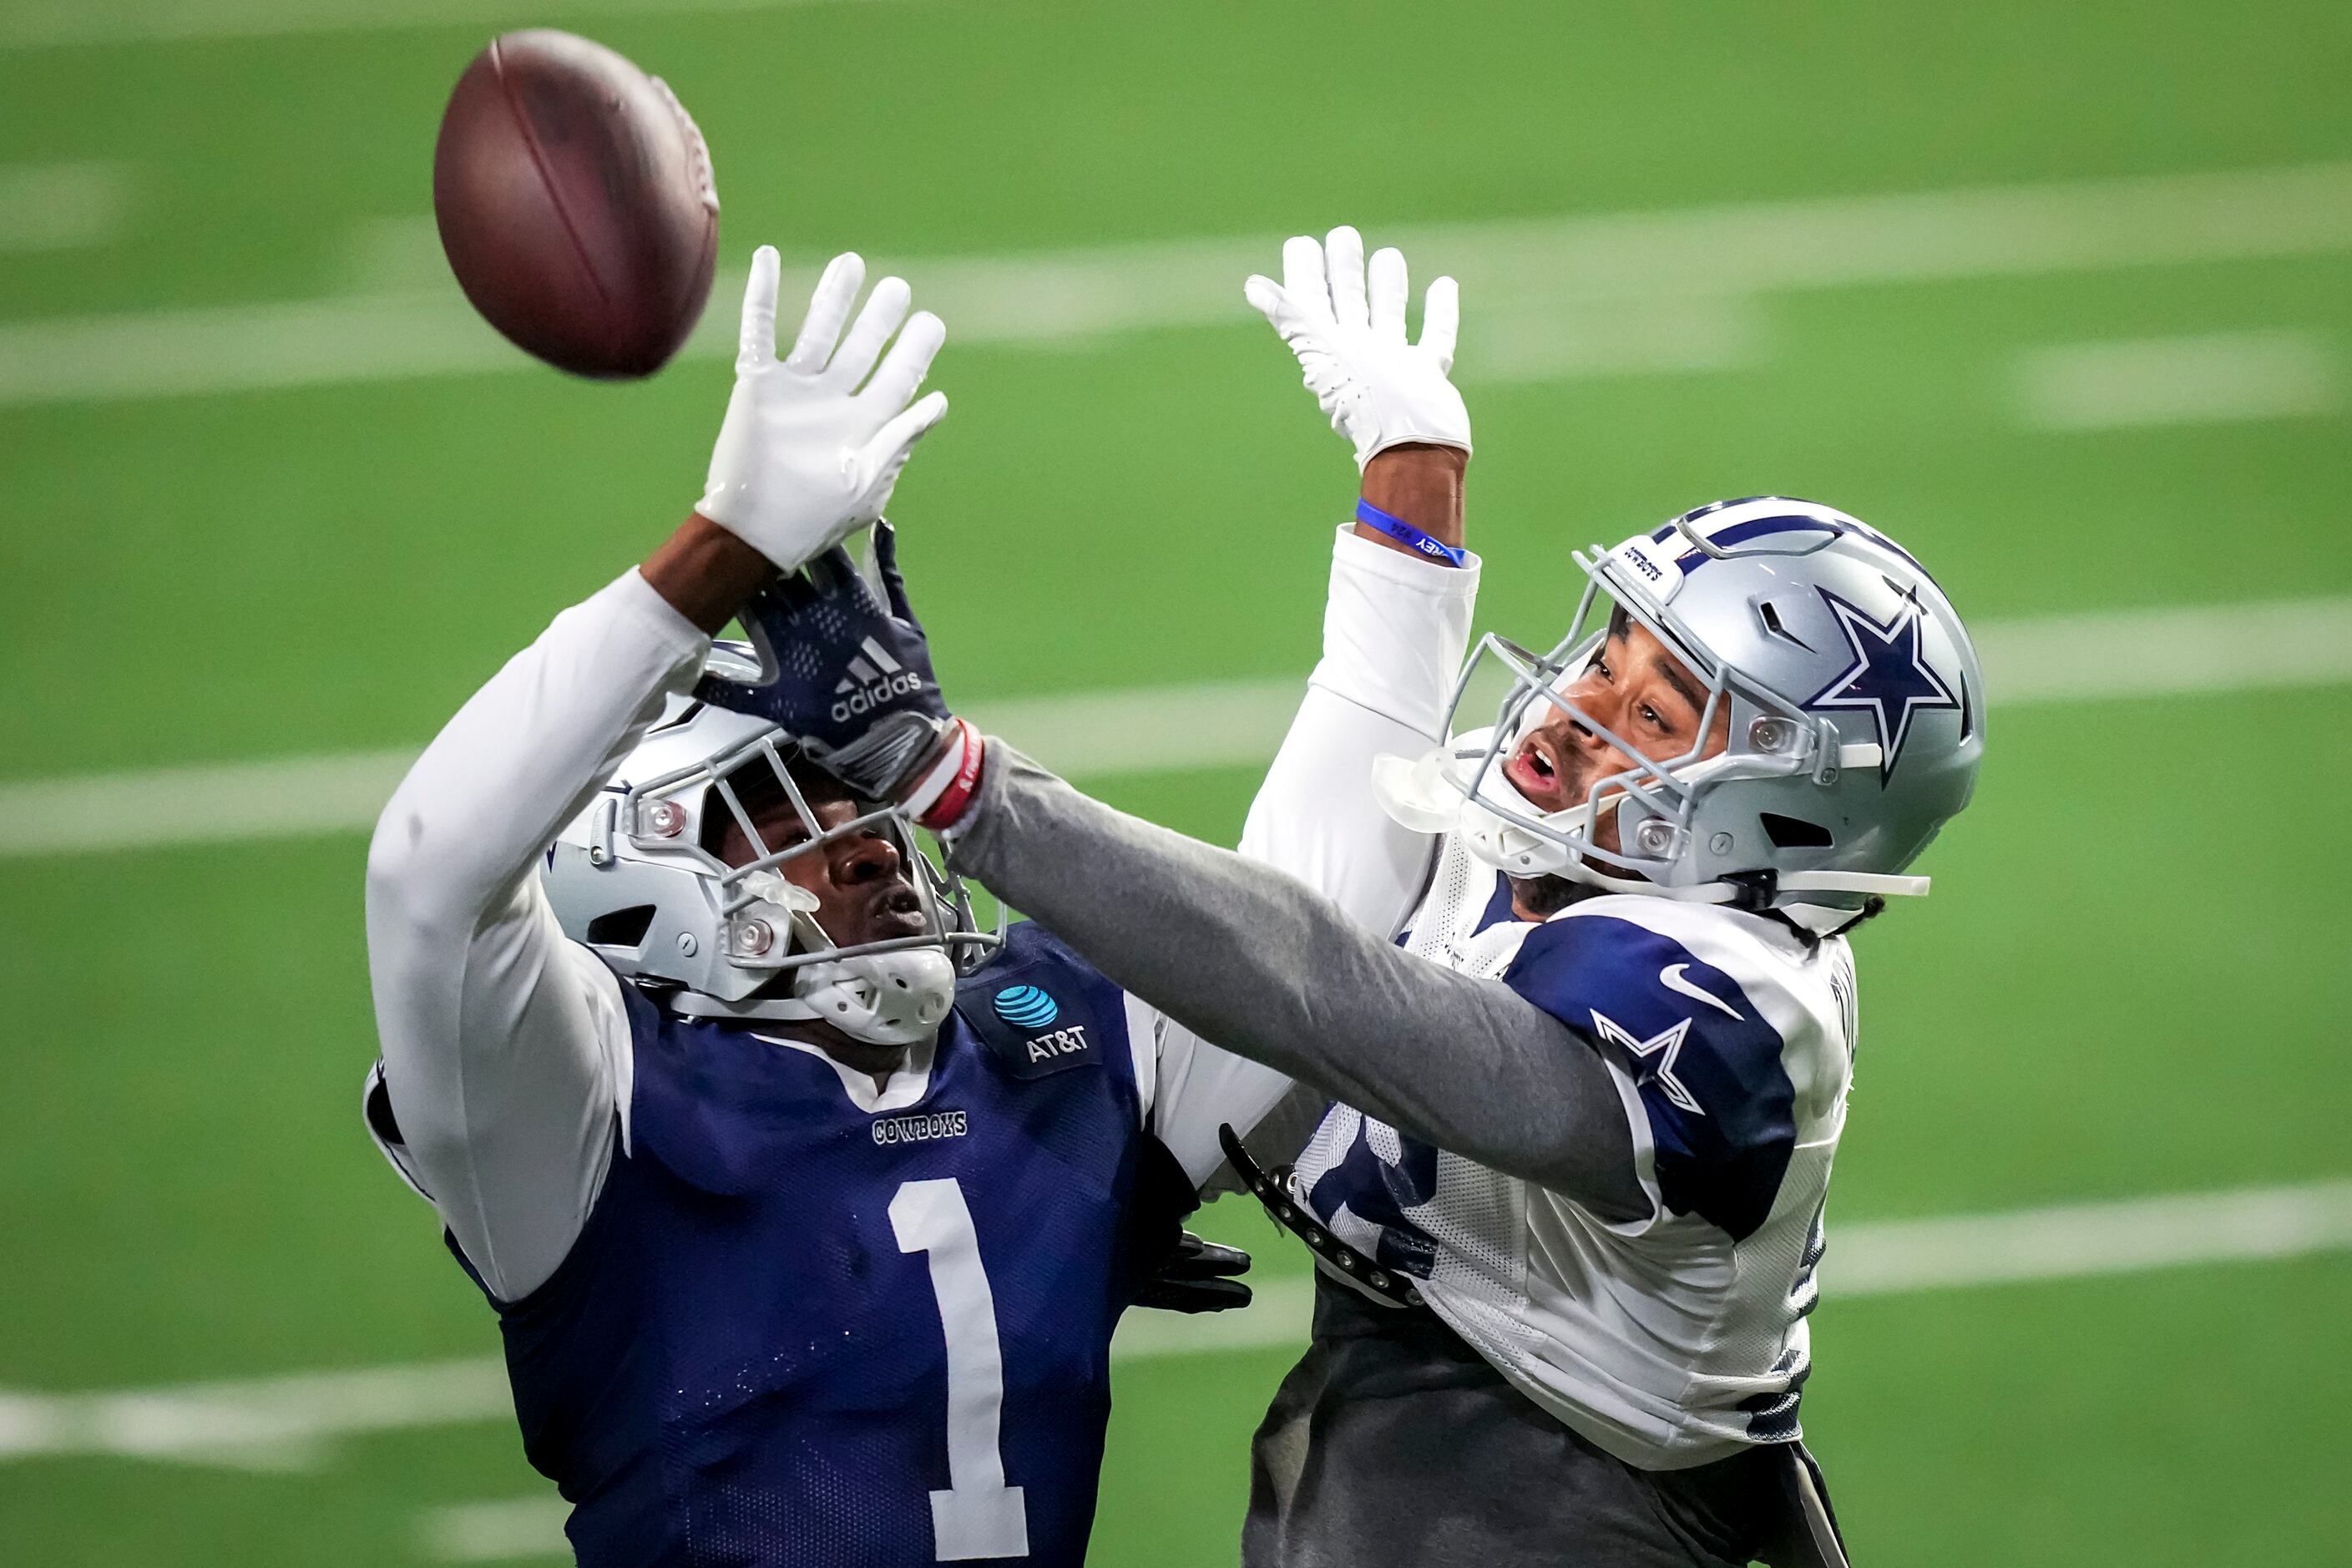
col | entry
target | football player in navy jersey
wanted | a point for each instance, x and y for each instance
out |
(807, 1207)
(1568, 1198)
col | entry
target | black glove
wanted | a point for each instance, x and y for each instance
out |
(848, 675)
(1197, 1277)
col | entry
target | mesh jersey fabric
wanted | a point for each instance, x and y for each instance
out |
(742, 1362)
(1678, 1338)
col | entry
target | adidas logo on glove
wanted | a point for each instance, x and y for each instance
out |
(873, 679)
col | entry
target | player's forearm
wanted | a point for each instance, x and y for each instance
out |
(526, 752)
(1250, 959)
(1394, 629)
(705, 573)
(1421, 483)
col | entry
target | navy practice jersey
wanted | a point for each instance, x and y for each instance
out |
(797, 1333)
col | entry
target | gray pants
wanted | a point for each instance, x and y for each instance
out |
(1393, 1442)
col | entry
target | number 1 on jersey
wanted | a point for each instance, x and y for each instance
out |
(978, 1515)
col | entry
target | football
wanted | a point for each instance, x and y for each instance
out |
(575, 202)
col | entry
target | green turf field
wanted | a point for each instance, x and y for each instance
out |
(2130, 981)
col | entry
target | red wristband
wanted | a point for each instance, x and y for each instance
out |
(953, 783)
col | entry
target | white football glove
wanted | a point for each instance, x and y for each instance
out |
(805, 459)
(1379, 390)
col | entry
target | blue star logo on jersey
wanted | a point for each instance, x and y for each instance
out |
(1025, 1006)
(1890, 678)
(1665, 1046)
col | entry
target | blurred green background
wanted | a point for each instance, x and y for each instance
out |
(2055, 295)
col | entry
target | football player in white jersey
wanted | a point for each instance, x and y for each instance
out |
(1568, 1197)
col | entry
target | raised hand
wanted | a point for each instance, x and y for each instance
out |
(1346, 324)
(813, 443)
(848, 673)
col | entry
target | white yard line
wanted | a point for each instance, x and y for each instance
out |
(61, 207)
(2205, 379)
(2281, 644)
(50, 24)
(2183, 651)
(2076, 1241)
(280, 1422)
(502, 1532)
(1601, 295)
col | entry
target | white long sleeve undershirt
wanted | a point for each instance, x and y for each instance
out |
(506, 1050)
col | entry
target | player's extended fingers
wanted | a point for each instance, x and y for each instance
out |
(1440, 318)
(1302, 277)
(828, 307)
(886, 307)
(894, 582)
(1387, 294)
(882, 457)
(791, 591)
(757, 346)
(834, 575)
(896, 440)
(1343, 257)
(1270, 299)
(909, 361)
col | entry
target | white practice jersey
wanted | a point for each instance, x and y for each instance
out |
(1675, 1339)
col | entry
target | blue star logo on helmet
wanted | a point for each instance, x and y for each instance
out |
(1025, 1006)
(1890, 678)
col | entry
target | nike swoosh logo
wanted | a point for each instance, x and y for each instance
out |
(1671, 977)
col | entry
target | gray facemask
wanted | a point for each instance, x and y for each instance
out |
(1851, 697)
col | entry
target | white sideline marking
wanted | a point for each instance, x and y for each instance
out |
(2204, 379)
(280, 1422)
(2102, 654)
(61, 207)
(48, 24)
(1585, 296)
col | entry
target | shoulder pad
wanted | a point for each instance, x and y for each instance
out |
(1707, 1063)
(1040, 1009)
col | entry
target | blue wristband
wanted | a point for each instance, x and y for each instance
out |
(1404, 533)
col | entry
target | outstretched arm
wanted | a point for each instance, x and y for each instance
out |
(1393, 632)
(506, 1053)
(1245, 956)
(505, 1047)
(1395, 624)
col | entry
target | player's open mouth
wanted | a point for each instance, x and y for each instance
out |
(897, 912)
(1535, 773)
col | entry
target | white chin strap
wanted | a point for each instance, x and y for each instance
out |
(882, 998)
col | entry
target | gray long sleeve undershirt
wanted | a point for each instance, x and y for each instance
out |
(1253, 961)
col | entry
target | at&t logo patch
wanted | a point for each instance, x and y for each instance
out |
(1025, 1006)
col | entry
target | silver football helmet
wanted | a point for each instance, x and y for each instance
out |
(1855, 714)
(630, 880)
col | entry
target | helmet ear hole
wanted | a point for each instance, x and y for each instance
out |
(620, 928)
(1794, 833)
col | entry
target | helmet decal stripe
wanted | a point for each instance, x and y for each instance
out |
(1755, 527)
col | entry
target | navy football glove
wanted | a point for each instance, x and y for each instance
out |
(1197, 1277)
(851, 676)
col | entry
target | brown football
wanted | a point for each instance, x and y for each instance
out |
(575, 203)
